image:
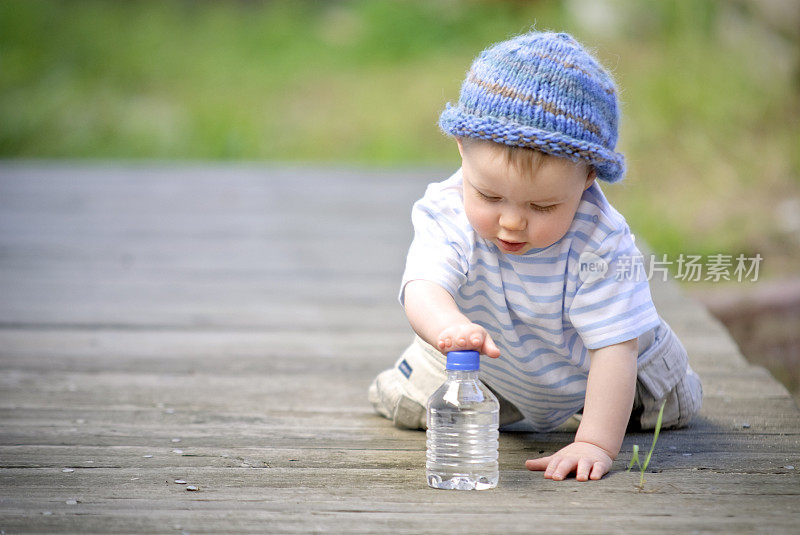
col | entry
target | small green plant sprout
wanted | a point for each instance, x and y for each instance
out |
(635, 456)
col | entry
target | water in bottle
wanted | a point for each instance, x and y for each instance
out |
(463, 418)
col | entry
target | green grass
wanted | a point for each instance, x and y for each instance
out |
(635, 455)
(319, 81)
(710, 96)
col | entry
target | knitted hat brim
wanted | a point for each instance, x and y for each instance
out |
(609, 165)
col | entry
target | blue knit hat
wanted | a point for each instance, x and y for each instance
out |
(545, 92)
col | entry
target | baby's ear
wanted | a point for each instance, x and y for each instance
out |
(460, 146)
(590, 177)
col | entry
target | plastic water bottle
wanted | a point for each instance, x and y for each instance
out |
(463, 418)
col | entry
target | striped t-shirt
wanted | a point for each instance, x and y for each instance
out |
(540, 309)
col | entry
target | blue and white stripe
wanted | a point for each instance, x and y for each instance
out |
(536, 307)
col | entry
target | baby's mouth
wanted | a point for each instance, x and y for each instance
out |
(510, 246)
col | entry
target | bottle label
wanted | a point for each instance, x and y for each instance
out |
(404, 368)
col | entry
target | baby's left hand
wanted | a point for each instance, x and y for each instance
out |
(585, 459)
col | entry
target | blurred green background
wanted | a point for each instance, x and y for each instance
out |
(710, 90)
(710, 101)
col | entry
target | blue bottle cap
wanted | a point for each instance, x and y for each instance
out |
(463, 360)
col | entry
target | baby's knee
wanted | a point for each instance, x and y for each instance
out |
(681, 404)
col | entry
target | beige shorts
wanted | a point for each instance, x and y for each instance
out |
(401, 393)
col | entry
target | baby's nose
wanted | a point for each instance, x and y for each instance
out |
(513, 221)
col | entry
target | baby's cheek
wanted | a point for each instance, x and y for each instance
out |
(549, 231)
(480, 220)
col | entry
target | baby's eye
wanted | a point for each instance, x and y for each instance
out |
(489, 198)
(543, 208)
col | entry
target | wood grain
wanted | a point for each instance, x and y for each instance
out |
(220, 325)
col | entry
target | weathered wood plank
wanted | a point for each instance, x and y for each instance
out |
(244, 310)
(236, 483)
(736, 502)
(202, 392)
(763, 453)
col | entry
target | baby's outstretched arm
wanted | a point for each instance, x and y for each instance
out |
(435, 317)
(609, 399)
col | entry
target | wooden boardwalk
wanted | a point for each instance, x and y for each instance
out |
(220, 325)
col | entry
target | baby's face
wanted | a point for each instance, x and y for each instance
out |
(519, 210)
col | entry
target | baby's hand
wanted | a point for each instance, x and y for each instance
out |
(585, 459)
(467, 336)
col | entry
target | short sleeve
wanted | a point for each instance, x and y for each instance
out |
(612, 301)
(438, 250)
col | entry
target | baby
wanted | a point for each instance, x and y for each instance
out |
(520, 256)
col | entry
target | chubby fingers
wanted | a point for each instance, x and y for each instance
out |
(584, 469)
(453, 338)
(599, 470)
(489, 348)
(548, 464)
(538, 464)
(467, 337)
(558, 467)
(456, 341)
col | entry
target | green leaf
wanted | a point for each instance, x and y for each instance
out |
(634, 457)
(655, 436)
